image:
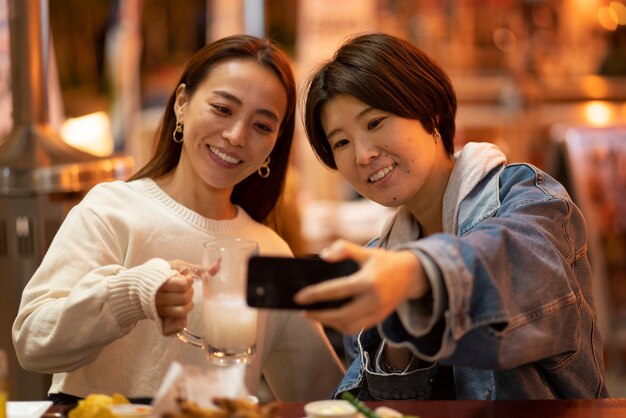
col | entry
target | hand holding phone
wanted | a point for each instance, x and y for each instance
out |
(273, 281)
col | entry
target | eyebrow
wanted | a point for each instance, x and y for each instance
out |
(235, 99)
(358, 116)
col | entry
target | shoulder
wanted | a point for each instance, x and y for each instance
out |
(116, 199)
(527, 180)
(118, 191)
(526, 189)
(106, 191)
(270, 243)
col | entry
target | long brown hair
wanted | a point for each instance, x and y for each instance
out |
(256, 195)
(386, 73)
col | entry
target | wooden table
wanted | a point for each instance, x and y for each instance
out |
(582, 408)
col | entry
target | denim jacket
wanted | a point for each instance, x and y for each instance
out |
(511, 308)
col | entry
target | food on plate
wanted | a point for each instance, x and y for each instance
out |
(379, 412)
(386, 412)
(131, 410)
(360, 406)
(97, 405)
(330, 408)
(225, 408)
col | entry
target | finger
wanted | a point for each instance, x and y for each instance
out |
(355, 315)
(342, 249)
(355, 308)
(191, 270)
(182, 266)
(174, 311)
(177, 283)
(337, 251)
(173, 325)
(334, 289)
(177, 264)
(173, 298)
(214, 267)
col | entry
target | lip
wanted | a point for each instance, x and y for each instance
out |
(212, 149)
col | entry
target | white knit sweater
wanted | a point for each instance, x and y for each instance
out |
(88, 313)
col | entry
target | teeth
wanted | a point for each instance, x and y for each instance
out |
(223, 156)
(382, 173)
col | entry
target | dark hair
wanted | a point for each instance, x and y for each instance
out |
(256, 195)
(386, 73)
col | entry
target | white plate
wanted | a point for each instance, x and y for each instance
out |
(27, 409)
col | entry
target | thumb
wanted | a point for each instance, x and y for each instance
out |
(342, 249)
(173, 325)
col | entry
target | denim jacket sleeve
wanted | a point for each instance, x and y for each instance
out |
(513, 280)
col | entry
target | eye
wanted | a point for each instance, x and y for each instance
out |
(221, 109)
(373, 124)
(264, 128)
(339, 144)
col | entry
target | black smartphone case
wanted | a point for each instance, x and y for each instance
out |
(273, 281)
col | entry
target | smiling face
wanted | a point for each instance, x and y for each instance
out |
(231, 123)
(386, 158)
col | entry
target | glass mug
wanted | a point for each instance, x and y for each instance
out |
(229, 324)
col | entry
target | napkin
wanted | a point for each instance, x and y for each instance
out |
(200, 385)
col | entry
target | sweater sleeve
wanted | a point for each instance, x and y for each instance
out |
(82, 298)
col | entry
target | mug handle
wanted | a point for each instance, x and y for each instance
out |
(190, 338)
(185, 335)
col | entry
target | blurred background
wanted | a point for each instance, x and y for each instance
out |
(83, 85)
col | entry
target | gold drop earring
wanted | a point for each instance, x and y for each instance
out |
(264, 170)
(178, 132)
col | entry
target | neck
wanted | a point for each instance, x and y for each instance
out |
(427, 206)
(201, 198)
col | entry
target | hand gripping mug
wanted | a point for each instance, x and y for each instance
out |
(229, 324)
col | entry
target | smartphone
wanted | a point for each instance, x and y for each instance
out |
(273, 281)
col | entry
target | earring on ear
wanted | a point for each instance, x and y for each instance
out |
(178, 132)
(436, 135)
(264, 170)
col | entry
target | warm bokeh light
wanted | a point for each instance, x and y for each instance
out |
(504, 39)
(598, 113)
(595, 87)
(607, 18)
(619, 11)
(90, 133)
(542, 16)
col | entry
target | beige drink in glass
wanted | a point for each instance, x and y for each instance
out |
(229, 324)
(233, 337)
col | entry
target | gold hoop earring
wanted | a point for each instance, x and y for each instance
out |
(178, 133)
(264, 170)
(436, 135)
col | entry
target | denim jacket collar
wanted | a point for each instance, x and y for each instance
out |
(472, 165)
